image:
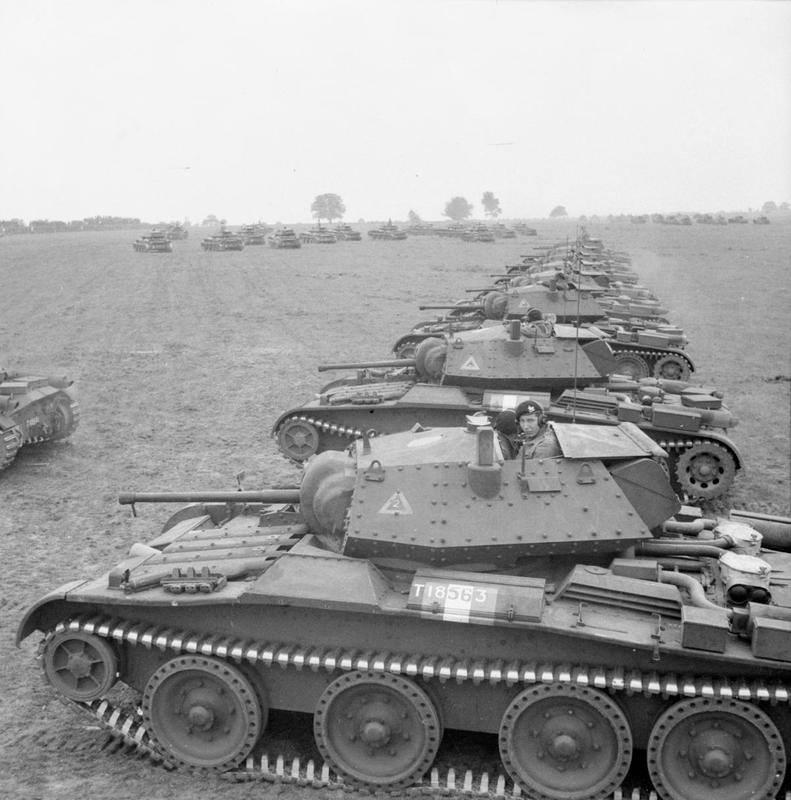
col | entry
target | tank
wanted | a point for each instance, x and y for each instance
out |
(176, 231)
(691, 422)
(478, 233)
(284, 239)
(345, 233)
(254, 234)
(524, 229)
(641, 350)
(34, 410)
(224, 240)
(440, 385)
(154, 242)
(421, 586)
(318, 235)
(388, 231)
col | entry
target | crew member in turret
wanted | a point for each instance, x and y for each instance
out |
(531, 435)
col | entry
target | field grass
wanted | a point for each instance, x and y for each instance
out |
(184, 360)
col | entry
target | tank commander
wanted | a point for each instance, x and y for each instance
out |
(525, 431)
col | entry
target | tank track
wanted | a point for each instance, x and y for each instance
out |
(324, 426)
(10, 442)
(658, 353)
(127, 725)
(427, 667)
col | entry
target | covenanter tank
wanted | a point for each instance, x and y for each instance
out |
(641, 350)
(438, 386)
(33, 410)
(419, 586)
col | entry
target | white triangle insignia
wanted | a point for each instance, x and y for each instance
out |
(396, 504)
(470, 363)
(524, 303)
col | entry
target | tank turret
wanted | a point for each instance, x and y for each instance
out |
(421, 584)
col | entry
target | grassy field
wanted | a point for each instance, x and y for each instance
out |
(184, 360)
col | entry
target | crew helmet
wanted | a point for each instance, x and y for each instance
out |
(530, 407)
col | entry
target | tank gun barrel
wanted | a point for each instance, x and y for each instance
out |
(264, 496)
(391, 363)
(471, 307)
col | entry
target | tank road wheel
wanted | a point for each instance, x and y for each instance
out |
(377, 730)
(567, 742)
(672, 367)
(632, 365)
(703, 748)
(705, 470)
(79, 665)
(202, 712)
(298, 439)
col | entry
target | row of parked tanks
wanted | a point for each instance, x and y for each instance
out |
(282, 238)
(573, 331)
(419, 583)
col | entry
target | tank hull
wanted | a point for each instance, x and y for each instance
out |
(34, 410)
(292, 634)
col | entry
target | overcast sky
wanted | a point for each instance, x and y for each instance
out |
(247, 110)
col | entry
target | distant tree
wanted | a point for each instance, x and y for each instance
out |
(414, 218)
(491, 205)
(458, 208)
(769, 207)
(327, 206)
(784, 206)
(558, 211)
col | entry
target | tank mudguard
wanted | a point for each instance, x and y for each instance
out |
(47, 611)
(712, 436)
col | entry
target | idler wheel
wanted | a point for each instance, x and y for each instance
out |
(377, 730)
(202, 712)
(704, 748)
(79, 665)
(672, 367)
(705, 470)
(632, 365)
(565, 741)
(298, 439)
